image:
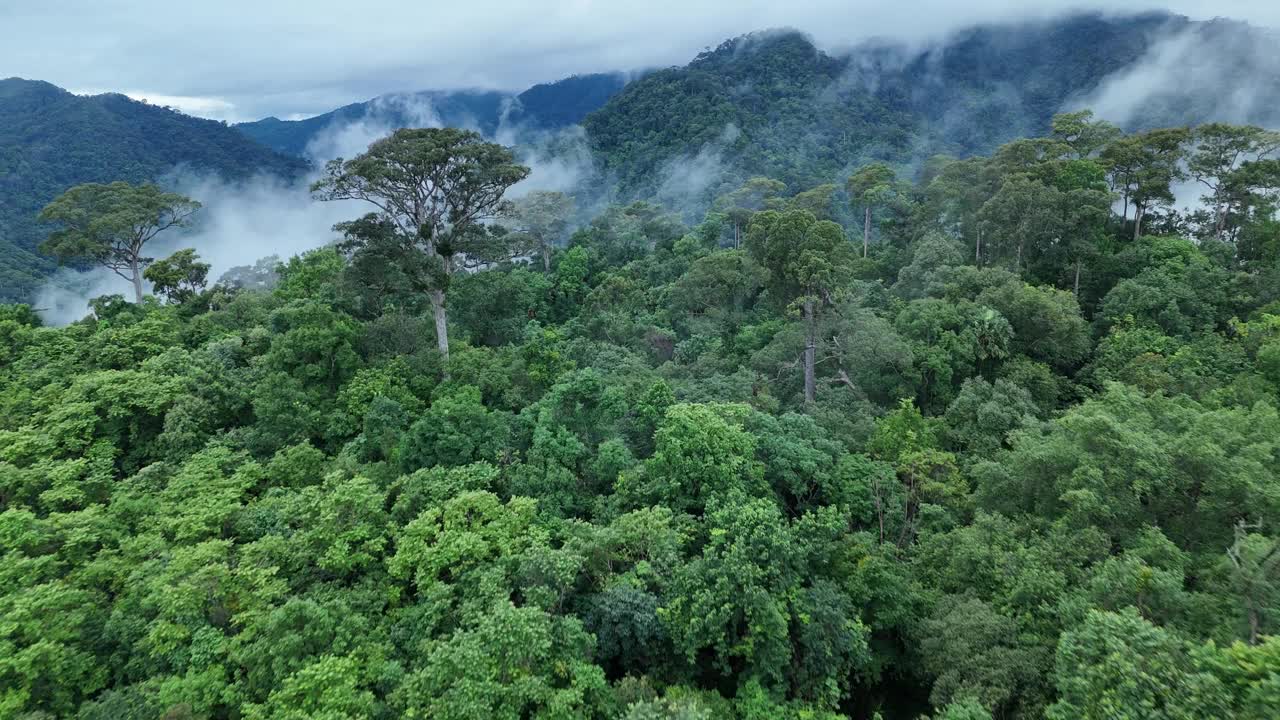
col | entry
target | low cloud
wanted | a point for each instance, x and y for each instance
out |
(243, 222)
(1221, 71)
(239, 224)
(686, 181)
(386, 114)
(212, 108)
(309, 56)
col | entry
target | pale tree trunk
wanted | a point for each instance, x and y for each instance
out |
(977, 249)
(1138, 212)
(810, 350)
(1076, 287)
(439, 309)
(1220, 222)
(136, 277)
(866, 230)
(1254, 623)
(737, 240)
(442, 323)
(546, 257)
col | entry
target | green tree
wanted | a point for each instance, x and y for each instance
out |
(717, 291)
(1254, 566)
(1143, 168)
(178, 277)
(330, 688)
(701, 452)
(1119, 666)
(110, 225)
(819, 200)
(1020, 220)
(808, 263)
(436, 185)
(1160, 155)
(542, 217)
(756, 194)
(984, 414)
(456, 430)
(1219, 151)
(975, 652)
(871, 187)
(754, 601)
(515, 662)
(1125, 460)
(1082, 133)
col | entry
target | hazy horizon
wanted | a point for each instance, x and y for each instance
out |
(297, 60)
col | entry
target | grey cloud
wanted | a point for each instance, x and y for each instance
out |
(348, 139)
(298, 57)
(241, 223)
(1188, 76)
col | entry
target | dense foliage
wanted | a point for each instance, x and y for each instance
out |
(51, 140)
(1018, 461)
(766, 104)
(773, 104)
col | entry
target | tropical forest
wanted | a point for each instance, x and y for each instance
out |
(806, 397)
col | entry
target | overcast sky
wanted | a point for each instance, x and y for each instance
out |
(237, 60)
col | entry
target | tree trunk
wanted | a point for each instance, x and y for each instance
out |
(1220, 222)
(137, 280)
(810, 350)
(1138, 212)
(1124, 214)
(866, 230)
(977, 249)
(1254, 623)
(1076, 287)
(737, 241)
(546, 257)
(442, 323)
(1018, 262)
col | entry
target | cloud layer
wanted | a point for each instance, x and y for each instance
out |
(243, 222)
(240, 60)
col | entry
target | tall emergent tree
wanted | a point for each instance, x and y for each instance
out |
(1085, 136)
(109, 225)
(808, 261)
(1144, 168)
(1220, 150)
(870, 188)
(756, 194)
(436, 186)
(541, 218)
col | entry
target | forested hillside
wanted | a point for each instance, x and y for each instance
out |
(773, 104)
(767, 104)
(1004, 447)
(548, 106)
(51, 140)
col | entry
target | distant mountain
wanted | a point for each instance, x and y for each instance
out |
(548, 106)
(566, 102)
(471, 108)
(51, 139)
(772, 103)
(769, 103)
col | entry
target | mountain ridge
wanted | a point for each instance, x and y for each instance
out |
(804, 115)
(52, 139)
(545, 106)
(769, 103)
